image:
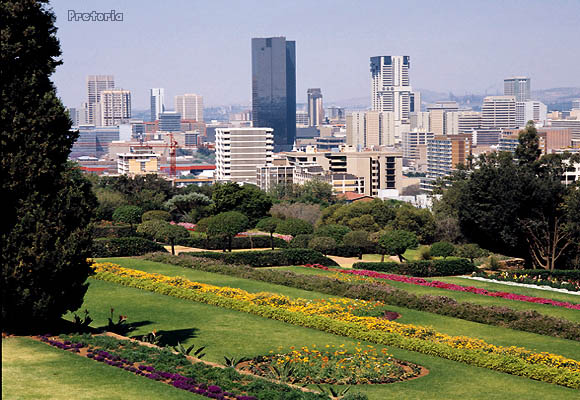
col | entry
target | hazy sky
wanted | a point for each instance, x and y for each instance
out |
(463, 46)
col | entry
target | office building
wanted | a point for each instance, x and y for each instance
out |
(157, 100)
(412, 141)
(572, 124)
(335, 114)
(170, 121)
(468, 121)
(239, 151)
(519, 87)
(551, 140)
(268, 176)
(419, 120)
(190, 106)
(274, 88)
(438, 116)
(115, 107)
(530, 111)
(371, 129)
(302, 118)
(390, 86)
(315, 108)
(444, 153)
(95, 85)
(576, 104)
(139, 161)
(498, 112)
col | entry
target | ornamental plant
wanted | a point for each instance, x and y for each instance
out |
(397, 242)
(442, 249)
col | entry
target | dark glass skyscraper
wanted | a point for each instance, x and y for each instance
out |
(274, 88)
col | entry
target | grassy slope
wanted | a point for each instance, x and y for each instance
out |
(449, 325)
(34, 370)
(228, 332)
(572, 315)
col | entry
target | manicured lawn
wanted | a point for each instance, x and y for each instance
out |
(572, 315)
(34, 370)
(410, 254)
(227, 332)
(453, 326)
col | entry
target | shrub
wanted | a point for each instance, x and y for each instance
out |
(322, 244)
(128, 214)
(397, 242)
(471, 251)
(150, 228)
(168, 233)
(424, 253)
(156, 215)
(269, 258)
(245, 242)
(494, 264)
(269, 225)
(442, 249)
(358, 241)
(334, 231)
(294, 227)
(124, 247)
(301, 241)
(112, 231)
(458, 266)
(227, 225)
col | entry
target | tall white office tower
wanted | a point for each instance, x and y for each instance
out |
(518, 86)
(115, 107)
(95, 85)
(157, 97)
(531, 111)
(315, 108)
(498, 112)
(390, 87)
(190, 106)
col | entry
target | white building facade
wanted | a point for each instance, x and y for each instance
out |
(190, 106)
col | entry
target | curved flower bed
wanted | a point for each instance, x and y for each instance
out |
(449, 286)
(337, 316)
(531, 279)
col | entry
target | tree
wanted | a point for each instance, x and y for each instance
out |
(128, 215)
(108, 200)
(269, 225)
(417, 220)
(307, 212)
(322, 244)
(247, 199)
(442, 249)
(471, 251)
(150, 228)
(334, 231)
(227, 225)
(168, 233)
(294, 226)
(146, 191)
(156, 215)
(301, 241)
(358, 240)
(363, 223)
(397, 242)
(45, 233)
(192, 206)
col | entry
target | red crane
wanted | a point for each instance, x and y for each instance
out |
(172, 156)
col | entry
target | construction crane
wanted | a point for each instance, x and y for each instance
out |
(172, 156)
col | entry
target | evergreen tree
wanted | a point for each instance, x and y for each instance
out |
(48, 205)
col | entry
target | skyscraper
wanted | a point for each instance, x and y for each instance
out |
(498, 112)
(315, 108)
(115, 107)
(274, 88)
(518, 86)
(190, 106)
(95, 85)
(157, 96)
(390, 87)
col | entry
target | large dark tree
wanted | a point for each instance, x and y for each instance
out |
(48, 205)
(247, 199)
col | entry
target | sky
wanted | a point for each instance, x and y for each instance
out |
(204, 47)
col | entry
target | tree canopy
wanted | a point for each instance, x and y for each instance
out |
(227, 225)
(397, 242)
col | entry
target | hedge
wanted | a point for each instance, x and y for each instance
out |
(459, 266)
(112, 231)
(564, 274)
(124, 247)
(268, 258)
(244, 242)
(499, 362)
(529, 321)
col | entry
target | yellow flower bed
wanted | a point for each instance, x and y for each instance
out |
(341, 309)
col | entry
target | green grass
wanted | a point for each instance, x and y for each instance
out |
(572, 315)
(410, 254)
(34, 370)
(231, 333)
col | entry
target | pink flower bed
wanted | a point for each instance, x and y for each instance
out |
(187, 225)
(449, 286)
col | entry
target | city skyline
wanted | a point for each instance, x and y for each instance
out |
(334, 43)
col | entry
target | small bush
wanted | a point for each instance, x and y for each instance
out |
(156, 215)
(301, 241)
(124, 247)
(336, 232)
(269, 258)
(494, 264)
(442, 249)
(457, 266)
(294, 227)
(322, 244)
(425, 253)
(245, 242)
(112, 231)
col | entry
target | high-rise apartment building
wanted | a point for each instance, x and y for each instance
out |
(315, 108)
(438, 116)
(157, 100)
(530, 111)
(190, 106)
(519, 87)
(115, 107)
(390, 86)
(444, 153)
(95, 85)
(371, 129)
(419, 120)
(412, 140)
(498, 112)
(274, 88)
(239, 151)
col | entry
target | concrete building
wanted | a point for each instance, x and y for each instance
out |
(157, 101)
(170, 121)
(239, 151)
(268, 176)
(371, 129)
(390, 86)
(551, 139)
(274, 88)
(438, 115)
(531, 111)
(518, 86)
(498, 112)
(335, 114)
(315, 107)
(302, 119)
(444, 153)
(94, 141)
(419, 120)
(190, 106)
(572, 124)
(95, 85)
(413, 142)
(139, 161)
(468, 121)
(576, 104)
(115, 107)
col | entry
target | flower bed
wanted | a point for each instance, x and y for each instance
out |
(450, 286)
(336, 316)
(368, 289)
(530, 277)
(175, 369)
(334, 365)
